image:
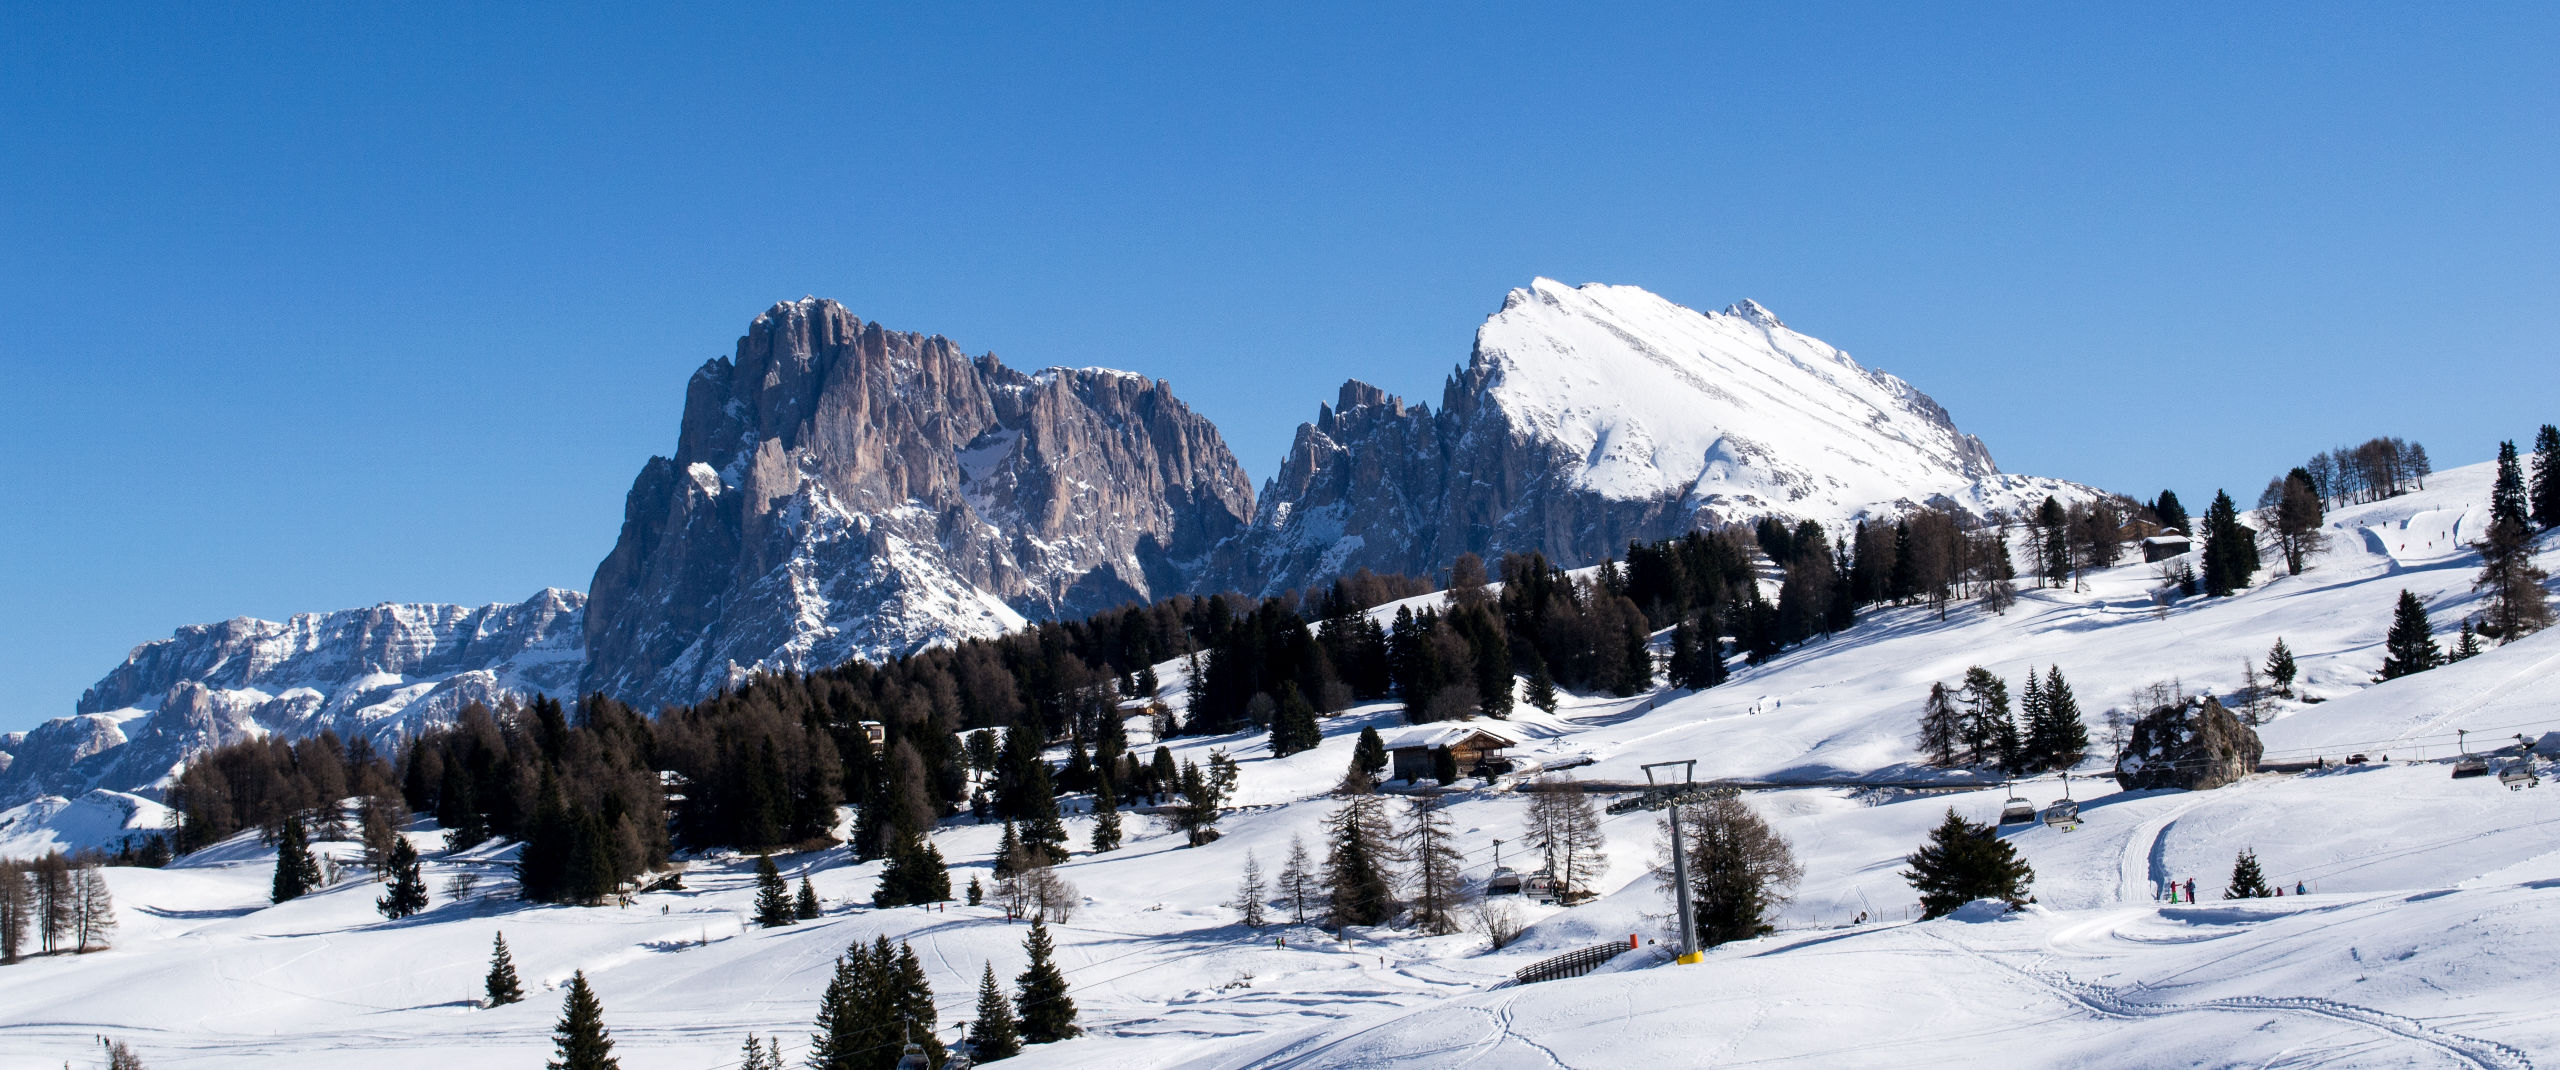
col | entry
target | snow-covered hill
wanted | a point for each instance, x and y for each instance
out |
(2426, 939)
(1590, 416)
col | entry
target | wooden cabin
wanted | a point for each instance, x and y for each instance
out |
(2169, 543)
(1476, 748)
(875, 734)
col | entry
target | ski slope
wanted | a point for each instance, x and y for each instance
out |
(2427, 939)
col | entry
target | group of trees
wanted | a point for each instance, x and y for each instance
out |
(2380, 468)
(2293, 510)
(876, 1005)
(583, 796)
(260, 783)
(60, 902)
(2068, 541)
(1972, 724)
(2515, 602)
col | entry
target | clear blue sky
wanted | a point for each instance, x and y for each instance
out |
(306, 309)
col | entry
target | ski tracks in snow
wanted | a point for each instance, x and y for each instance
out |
(2111, 1003)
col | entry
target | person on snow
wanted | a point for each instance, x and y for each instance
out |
(2191, 889)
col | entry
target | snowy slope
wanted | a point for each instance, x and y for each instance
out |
(2426, 940)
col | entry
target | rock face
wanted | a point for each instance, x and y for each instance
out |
(2196, 747)
(375, 673)
(842, 490)
(1590, 416)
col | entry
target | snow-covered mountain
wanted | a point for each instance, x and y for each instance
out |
(1588, 416)
(376, 673)
(840, 490)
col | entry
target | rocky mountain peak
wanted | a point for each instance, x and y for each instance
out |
(840, 489)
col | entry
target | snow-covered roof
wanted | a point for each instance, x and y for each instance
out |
(1448, 732)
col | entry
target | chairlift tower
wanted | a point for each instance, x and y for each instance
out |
(1664, 793)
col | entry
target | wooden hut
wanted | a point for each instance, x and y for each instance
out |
(1475, 748)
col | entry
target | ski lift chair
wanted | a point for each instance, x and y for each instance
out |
(914, 1058)
(2017, 811)
(2518, 775)
(2470, 767)
(1505, 881)
(2063, 811)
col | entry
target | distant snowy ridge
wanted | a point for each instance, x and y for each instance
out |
(378, 673)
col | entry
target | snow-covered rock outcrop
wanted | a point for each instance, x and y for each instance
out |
(1588, 416)
(840, 490)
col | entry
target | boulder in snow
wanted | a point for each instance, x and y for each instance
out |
(2194, 747)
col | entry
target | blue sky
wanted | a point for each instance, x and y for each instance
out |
(311, 308)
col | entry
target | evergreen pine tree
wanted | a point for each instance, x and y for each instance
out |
(2246, 881)
(1541, 691)
(993, 1035)
(804, 906)
(1293, 723)
(2509, 503)
(2410, 647)
(408, 892)
(1370, 754)
(757, 1055)
(1682, 667)
(844, 1019)
(773, 896)
(1941, 727)
(1357, 878)
(910, 999)
(1106, 817)
(1638, 673)
(2465, 646)
(2281, 667)
(2067, 738)
(580, 1039)
(977, 891)
(915, 874)
(1964, 861)
(1008, 852)
(2545, 495)
(2031, 751)
(2171, 514)
(297, 873)
(2518, 602)
(1990, 734)
(501, 984)
(2230, 548)
(1902, 583)
(1040, 993)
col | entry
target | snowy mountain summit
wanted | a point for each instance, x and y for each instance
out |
(1588, 416)
(1732, 411)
